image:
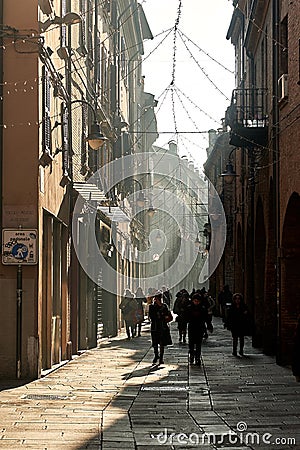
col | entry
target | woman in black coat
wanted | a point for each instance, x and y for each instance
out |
(160, 332)
(238, 318)
(197, 318)
(180, 306)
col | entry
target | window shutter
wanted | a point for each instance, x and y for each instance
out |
(84, 154)
(63, 28)
(46, 130)
(65, 140)
(82, 49)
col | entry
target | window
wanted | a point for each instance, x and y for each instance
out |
(46, 105)
(283, 62)
(65, 140)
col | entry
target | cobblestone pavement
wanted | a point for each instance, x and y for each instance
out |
(113, 398)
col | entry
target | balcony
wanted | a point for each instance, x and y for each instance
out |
(247, 118)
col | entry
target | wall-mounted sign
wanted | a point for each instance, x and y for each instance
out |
(15, 215)
(19, 247)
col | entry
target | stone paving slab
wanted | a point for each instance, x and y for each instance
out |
(112, 397)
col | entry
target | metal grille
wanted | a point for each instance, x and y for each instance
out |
(249, 107)
(99, 309)
(45, 397)
(165, 388)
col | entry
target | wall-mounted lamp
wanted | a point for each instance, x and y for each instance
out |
(70, 18)
(151, 211)
(158, 237)
(140, 200)
(229, 173)
(95, 138)
(197, 242)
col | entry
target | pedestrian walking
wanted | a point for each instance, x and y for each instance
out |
(167, 296)
(180, 308)
(129, 308)
(160, 316)
(197, 318)
(225, 300)
(238, 318)
(209, 302)
(141, 301)
(149, 299)
(296, 354)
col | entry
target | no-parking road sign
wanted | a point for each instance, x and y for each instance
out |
(19, 247)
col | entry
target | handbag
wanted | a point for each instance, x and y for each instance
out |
(168, 317)
(139, 315)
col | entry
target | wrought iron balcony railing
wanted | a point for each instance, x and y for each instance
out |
(247, 117)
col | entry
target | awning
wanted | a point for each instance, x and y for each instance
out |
(89, 191)
(114, 213)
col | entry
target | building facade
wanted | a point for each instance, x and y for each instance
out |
(68, 67)
(264, 130)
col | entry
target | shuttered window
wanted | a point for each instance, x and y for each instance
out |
(63, 28)
(46, 106)
(82, 49)
(65, 140)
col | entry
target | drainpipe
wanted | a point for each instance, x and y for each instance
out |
(275, 146)
(74, 270)
(251, 288)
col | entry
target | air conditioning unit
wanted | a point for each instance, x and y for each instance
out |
(283, 88)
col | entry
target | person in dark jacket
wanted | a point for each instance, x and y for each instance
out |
(224, 300)
(180, 306)
(197, 318)
(237, 320)
(141, 301)
(129, 308)
(160, 332)
(296, 354)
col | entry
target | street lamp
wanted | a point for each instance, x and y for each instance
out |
(158, 237)
(229, 173)
(70, 18)
(95, 138)
(151, 211)
(197, 242)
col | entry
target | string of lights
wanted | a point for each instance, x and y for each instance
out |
(177, 131)
(102, 3)
(177, 20)
(204, 71)
(187, 143)
(198, 107)
(183, 35)
(188, 114)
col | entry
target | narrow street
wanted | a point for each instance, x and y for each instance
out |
(113, 398)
